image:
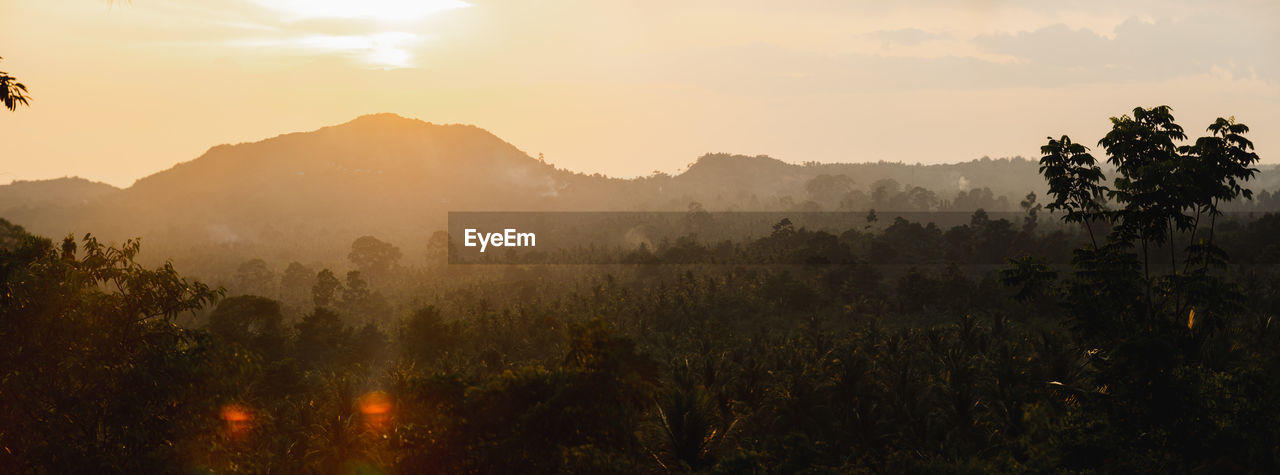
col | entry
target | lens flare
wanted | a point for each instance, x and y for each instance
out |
(238, 420)
(375, 407)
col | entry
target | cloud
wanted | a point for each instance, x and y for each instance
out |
(385, 49)
(1139, 51)
(903, 37)
(388, 49)
(397, 11)
(378, 34)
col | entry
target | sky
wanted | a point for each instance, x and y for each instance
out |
(124, 89)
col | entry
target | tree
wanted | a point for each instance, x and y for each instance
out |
(95, 374)
(884, 194)
(783, 228)
(921, 199)
(254, 277)
(1032, 210)
(12, 92)
(1032, 278)
(372, 256)
(296, 283)
(688, 423)
(325, 290)
(250, 321)
(697, 220)
(1074, 177)
(1152, 182)
(979, 219)
(1160, 183)
(438, 247)
(424, 336)
(1219, 164)
(1153, 340)
(361, 302)
(323, 340)
(828, 189)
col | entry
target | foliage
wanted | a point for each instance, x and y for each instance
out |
(1073, 176)
(93, 361)
(12, 92)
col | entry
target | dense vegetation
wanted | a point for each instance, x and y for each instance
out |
(1127, 342)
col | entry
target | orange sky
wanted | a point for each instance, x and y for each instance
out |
(623, 87)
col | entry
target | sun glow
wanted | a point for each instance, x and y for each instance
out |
(379, 10)
(388, 49)
(379, 33)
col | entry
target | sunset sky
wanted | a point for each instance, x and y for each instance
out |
(125, 89)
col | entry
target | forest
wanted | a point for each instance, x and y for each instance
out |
(1120, 322)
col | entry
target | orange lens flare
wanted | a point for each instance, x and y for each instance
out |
(375, 407)
(238, 419)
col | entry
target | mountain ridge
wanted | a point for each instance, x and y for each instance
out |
(304, 194)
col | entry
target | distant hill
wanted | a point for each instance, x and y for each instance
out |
(726, 175)
(306, 196)
(59, 192)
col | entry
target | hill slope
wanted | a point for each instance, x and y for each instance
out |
(379, 174)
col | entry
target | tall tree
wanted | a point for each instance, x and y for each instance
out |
(326, 289)
(1218, 165)
(373, 256)
(1074, 182)
(1152, 182)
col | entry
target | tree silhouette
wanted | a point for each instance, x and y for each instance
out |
(1219, 164)
(254, 277)
(438, 248)
(372, 256)
(12, 92)
(326, 289)
(1074, 178)
(1151, 338)
(828, 189)
(296, 283)
(250, 321)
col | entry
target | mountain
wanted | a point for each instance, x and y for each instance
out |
(306, 196)
(300, 194)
